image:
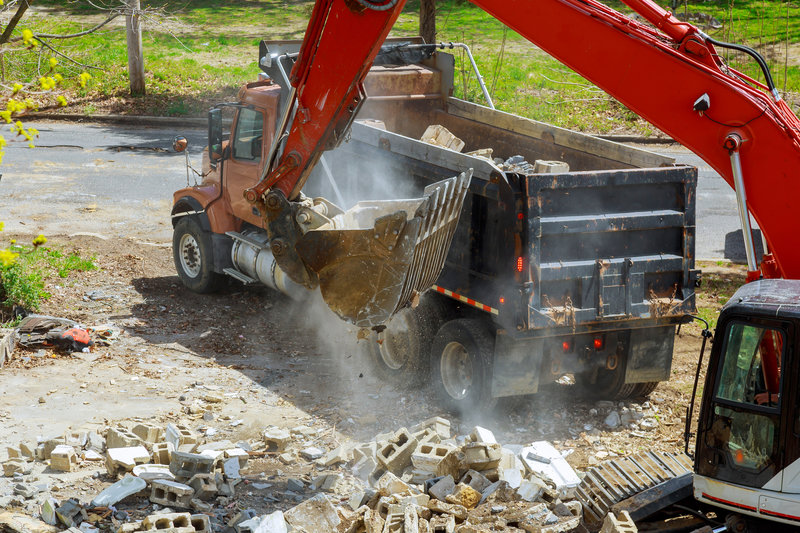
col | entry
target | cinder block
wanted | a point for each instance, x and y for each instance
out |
(119, 460)
(201, 523)
(427, 436)
(148, 432)
(483, 435)
(63, 458)
(180, 435)
(76, 439)
(464, 495)
(122, 438)
(618, 524)
(394, 522)
(427, 456)
(15, 466)
(50, 445)
(162, 452)
(396, 454)
(443, 524)
(28, 449)
(204, 486)
(169, 522)
(440, 425)
(480, 456)
(442, 488)
(95, 442)
(476, 480)
(71, 513)
(240, 454)
(186, 465)
(170, 493)
(276, 439)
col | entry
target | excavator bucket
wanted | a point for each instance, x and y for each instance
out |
(376, 257)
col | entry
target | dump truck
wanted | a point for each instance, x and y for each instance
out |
(569, 254)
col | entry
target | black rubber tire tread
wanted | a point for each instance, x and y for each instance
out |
(423, 321)
(207, 280)
(643, 390)
(610, 385)
(476, 337)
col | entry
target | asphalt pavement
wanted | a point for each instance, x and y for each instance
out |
(117, 180)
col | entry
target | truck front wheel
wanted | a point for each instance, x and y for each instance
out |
(461, 365)
(193, 255)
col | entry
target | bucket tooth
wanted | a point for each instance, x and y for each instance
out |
(375, 257)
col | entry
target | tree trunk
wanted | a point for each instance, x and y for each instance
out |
(135, 56)
(427, 20)
(21, 9)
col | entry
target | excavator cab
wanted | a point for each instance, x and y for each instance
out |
(747, 449)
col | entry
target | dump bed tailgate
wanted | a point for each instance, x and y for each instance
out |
(608, 245)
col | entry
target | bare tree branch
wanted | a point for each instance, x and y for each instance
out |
(21, 9)
(65, 56)
(71, 35)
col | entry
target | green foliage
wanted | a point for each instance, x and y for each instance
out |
(214, 53)
(23, 282)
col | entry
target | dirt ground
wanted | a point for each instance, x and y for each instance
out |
(232, 363)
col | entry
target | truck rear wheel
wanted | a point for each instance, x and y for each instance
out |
(193, 255)
(400, 353)
(610, 385)
(461, 365)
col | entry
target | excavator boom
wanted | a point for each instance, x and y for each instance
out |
(668, 72)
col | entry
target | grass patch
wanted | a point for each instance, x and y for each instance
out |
(24, 282)
(208, 49)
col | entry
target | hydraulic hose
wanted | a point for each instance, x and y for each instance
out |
(755, 55)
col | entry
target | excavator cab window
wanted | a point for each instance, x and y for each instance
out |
(744, 434)
(248, 139)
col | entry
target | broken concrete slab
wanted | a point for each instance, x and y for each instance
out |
(315, 514)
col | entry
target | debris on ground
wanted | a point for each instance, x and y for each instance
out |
(418, 479)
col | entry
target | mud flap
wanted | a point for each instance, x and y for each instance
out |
(376, 257)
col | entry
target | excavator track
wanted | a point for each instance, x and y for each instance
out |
(618, 479)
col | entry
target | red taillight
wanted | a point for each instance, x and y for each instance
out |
(598, 343)
(502, 300)
(566, 346)
(520, 264)
(520, 216)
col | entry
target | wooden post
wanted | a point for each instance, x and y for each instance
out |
(427, 20)
(135, 56)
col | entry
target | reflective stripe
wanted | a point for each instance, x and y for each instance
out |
(732, 504)
(464, 299)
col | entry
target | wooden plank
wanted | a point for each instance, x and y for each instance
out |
(560, 136)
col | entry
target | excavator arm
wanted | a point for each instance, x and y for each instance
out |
(669, 73)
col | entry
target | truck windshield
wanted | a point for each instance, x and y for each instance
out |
(746, 416)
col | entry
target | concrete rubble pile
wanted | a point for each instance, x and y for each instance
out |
(413, 480)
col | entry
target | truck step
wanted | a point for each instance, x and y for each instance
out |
(244, 278)
(618, 479)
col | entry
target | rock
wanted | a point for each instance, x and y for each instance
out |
(312, 452)
(612, 420)
(295, 485)
(648, 424)
(316, 514)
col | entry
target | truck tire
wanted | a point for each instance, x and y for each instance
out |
(193, 255)
(643, 390)
(609, 385)
(461, 365)
(401, 353)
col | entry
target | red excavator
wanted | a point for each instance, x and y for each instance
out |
(669, 72)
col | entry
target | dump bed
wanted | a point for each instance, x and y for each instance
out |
(609, 241)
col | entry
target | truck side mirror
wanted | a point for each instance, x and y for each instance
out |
(215, 135)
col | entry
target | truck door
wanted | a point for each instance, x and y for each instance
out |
(742, 435)
(243, 169)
